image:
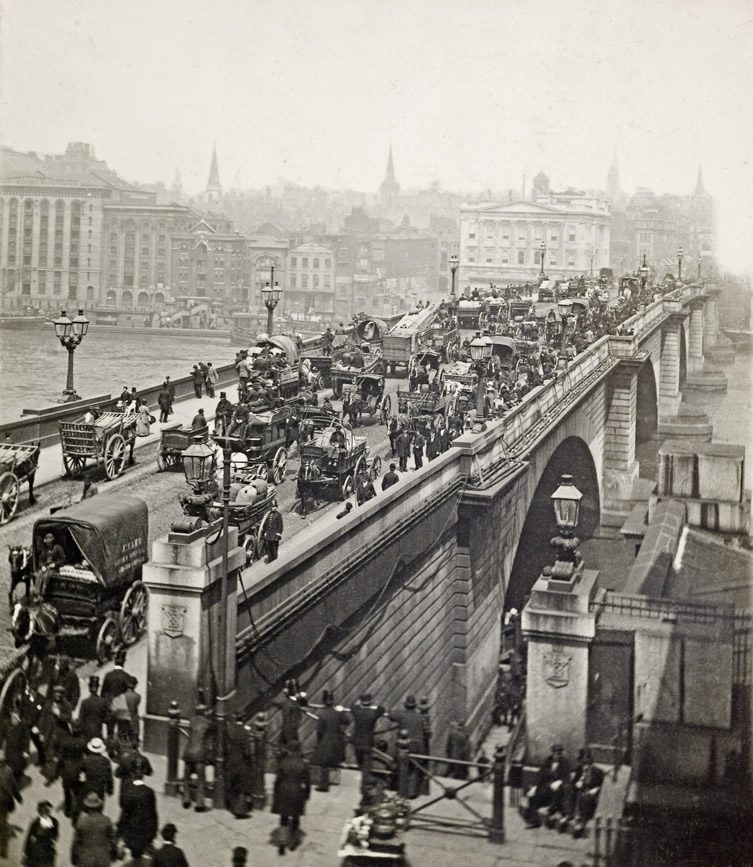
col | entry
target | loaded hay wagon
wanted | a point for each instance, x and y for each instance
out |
(104, 441)
(18, 463)
(97, 590)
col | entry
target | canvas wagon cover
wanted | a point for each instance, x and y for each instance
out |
(110, 529)
(375, 327)
(285, 343)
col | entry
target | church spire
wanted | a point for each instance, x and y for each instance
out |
(699, 188)
(390, 175)
(214, 189)
(614, 191)
(389, 187)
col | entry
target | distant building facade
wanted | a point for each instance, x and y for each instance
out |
(502, 241)
(311, 284)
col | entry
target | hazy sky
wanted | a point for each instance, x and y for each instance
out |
(474, 94)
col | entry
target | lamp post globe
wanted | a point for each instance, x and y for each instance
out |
(271, 293)
(198, 462)
(70, 333)
(566, 502)
(643, 271)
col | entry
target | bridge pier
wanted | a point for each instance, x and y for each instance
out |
(184, 640)
(716, 347)
(559, 626)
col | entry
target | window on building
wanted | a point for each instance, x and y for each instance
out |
(327, 281)
(304, 262)
(292, 262)
(304, 281)
(571, 258)
(328, 263)
(471, 258)
(505, 259)
(489, 261)
(521, 257)
(554, 237)
(471, 234)
(316, 263)
(316, 281)
(292, 281)
(571, 237)
(552, 261)
(145, 251)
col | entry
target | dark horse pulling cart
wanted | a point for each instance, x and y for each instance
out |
(97, 591)
(18, 463)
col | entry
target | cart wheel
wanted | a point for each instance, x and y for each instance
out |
(440, 379)
(278, 465)
(261, 542)
(262, 472)
(73, 464)
(115, 456)
(8, 496)
(386, 410)
(319, 382)
(376, 467)
(249, 545)
(11, 697)
(359, 466)
(107, 639)
(346, 487)
(133, 613)
(163, 461)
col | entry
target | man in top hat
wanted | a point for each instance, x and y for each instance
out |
(551, 790)
(329, 751)
(138, 822)
(195, 757)
(412, 722)
(169, 855)
(222, 414)
(93, 712)
(365, 715)
(97, 769)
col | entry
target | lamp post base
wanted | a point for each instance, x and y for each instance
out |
(69, 396)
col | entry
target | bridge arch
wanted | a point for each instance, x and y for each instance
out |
(533, 551)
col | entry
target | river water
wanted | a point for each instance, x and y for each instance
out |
(33, 364)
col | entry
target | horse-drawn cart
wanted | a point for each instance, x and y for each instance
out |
(175, 439)
(96, 592)
(262, 440)
(104, 441)
(18, 463)
(329, 463)
(366, 395)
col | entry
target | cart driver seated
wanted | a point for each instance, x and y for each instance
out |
(239, 423)
(50, 558)
(337, 441)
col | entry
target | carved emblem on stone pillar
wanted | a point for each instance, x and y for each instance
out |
(173, 619)
(557, 668)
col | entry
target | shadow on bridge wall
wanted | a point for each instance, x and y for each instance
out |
(647, 410)
(534, 552)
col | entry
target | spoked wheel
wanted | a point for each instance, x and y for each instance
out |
(133, 613)
(262, 472)
(107, 640)
(163, 461)
(249, 546)
(359, 466)
(12, 697)
(346, 487)
(8, 496)
(261, 542)
(278, 465)
(115, 456)
(73, 464)
(376, 467)
(386, 410)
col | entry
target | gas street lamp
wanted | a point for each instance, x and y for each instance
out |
(679, 264)
(199, 465)
(542, 251)
(566, 502)
(271, 293)
(481, 350)
(643, 271)
(70, 332)
(454, 262)
(591, 256)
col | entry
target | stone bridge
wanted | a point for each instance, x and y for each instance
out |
(406, 594)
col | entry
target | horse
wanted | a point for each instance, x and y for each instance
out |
(19, 558)
(36, 624)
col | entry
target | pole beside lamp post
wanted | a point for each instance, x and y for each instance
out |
(542, 251)
(643, 271)
(564, 308)
(679, 264)
(481, 350)
(70, 333)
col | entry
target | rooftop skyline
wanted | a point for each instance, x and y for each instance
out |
(315, 93)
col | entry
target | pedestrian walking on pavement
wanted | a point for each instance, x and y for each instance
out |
(40, 846)
(239, 764)
(418, 449)
(198, 380)
(17, 740)
(131, 765)
(199, 421)
(94, 711)
(138, 823)
(390, 478)
(393, 429)
(70, 748)
(97, 770)
(291, 791)
(9, 795)
(165, 402)
(195, 757)
(365, 715)
(169, 855)
(402, 446)
(211, 378)
(411, 720)
(272, 532)
(171, 391)
(94, 842)
(329, 751)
